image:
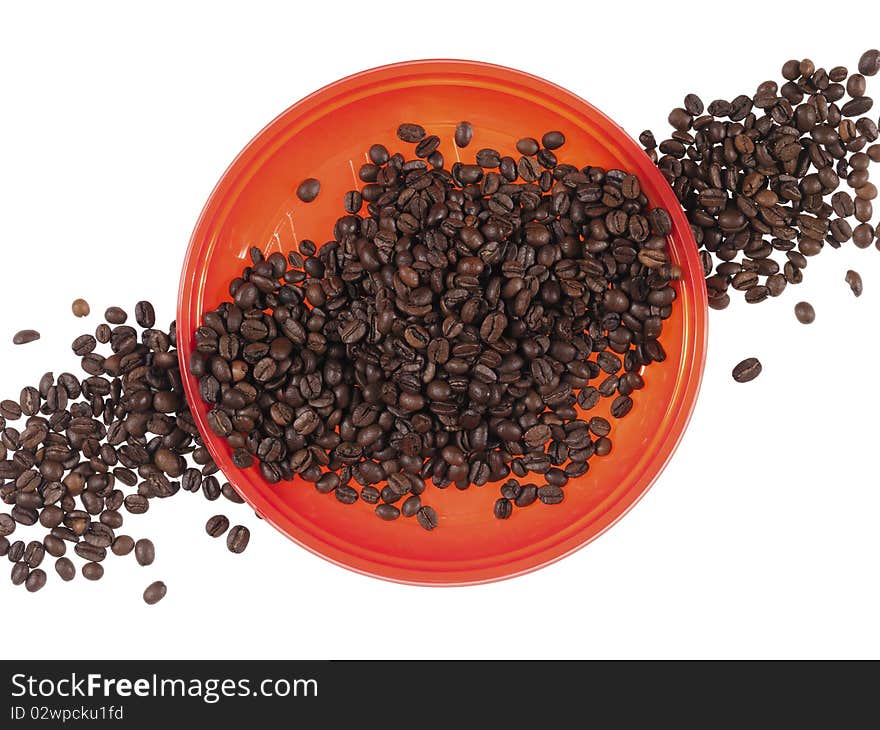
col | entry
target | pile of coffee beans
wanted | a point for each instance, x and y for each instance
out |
(763, 178)
(458, 328)
(96, 447)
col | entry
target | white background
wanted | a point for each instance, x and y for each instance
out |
(759, 540)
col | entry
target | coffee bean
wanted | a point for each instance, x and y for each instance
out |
(65, 569)
(503, 508)
(144, 314)
(93, 571)
(550, 494)
(80, 308)
(410, 132)
(308, 189)
(228, 491)
(22, 337)
(115, 315)
(122, 545)
(553, 140)
(144, 552)
(427, 518)
(804, 312)
(869, 63)
(217, 525)
(464, 133)
(35, 580)
(19, 573)
(854, 279)
(7, 525)
(747, 370)
(237, 539)
(155, 592)
(389, 512)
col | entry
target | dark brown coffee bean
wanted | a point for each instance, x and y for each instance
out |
(855, 282)
(804, 312)
(93, 571)
(23, 337)
(115, 315)
(217, 525)
(389, 512)
(237, 539)
(308, 189)
(427, 518)
(144, 551)
(550, 494)
(19, 573)
(747, 370)
(464, 133)
(35, 580)
(122, 545)
(503, 508)
(65, 569)
(553, 140)
(410, 132)
(869, 63)
(155, 592)
(144, 314)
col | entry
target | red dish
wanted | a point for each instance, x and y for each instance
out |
(326, 136)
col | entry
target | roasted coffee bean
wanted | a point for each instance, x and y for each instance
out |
(144, 551)
(854, 279)
(747, 370)
(869, 63)
(7, 525)
(144, 314)
(19, 573)
(464, 133)
(155, 592)
(80, 308)
(217, 525)
(115, 315)
(308, 189)
(389, 512)
(410, 132)
(34, 554)
(804, 312)
(93, 571)
(550, 494)
(36, 580)
(65, 569)
(237, 539)
(23, 337)
(503, 508)
(122, 545)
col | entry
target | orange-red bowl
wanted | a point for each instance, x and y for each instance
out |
(326, 135)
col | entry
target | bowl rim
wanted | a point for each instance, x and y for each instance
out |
(223, 197)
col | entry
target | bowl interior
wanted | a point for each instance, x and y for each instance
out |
(326, 136)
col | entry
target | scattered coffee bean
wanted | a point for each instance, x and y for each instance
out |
(122, 545)
(65, 569)
(35, 580)
(753, 175)
(804, 312)
(144, 552)
(217, 525)
(238, 538)
(155, 592)
(427, 518)
(869, 63)
(854, 279)
(308, 189)
(93, 571)
(464, 133)
(115, 315)
(80, 308)
(747, 370)
(22, 337)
